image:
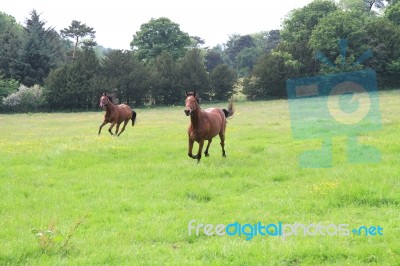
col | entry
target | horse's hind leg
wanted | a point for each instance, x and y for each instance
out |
(222, 137)
(117, 129)
(109, 130)
(208, 146)
(123, 127)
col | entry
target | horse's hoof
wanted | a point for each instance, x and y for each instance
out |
(206, 154)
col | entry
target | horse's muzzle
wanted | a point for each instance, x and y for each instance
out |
(187, 112)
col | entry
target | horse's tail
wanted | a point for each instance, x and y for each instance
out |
(133, 118)
(230, 111)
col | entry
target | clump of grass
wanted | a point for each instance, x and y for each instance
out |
(199, 198)
(51, 240)
(47, 238)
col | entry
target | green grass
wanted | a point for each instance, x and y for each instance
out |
(128, 200)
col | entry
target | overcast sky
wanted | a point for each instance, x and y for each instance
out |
(116, 21)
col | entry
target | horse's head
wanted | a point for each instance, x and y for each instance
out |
(191, 103)
(104, 100)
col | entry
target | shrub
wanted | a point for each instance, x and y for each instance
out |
(25, 99)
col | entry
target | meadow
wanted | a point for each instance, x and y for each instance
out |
(71, 197)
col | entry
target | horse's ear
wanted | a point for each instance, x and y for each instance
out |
(186, 94)
(194, 94)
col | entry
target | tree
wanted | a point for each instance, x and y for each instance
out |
(363, 32)
(393, 13)
(235, 45)
(11, 42)
(349, 25)
(265, 41)
(78, 31)
(7, 86)
(165, 88)
(384, 41)
(74, 85)
(297, 30)
(246, 60)
(159, 35)
(196, 41)
(273, 39)
(362, 5)
(223, 80)
(213, 58)
(83, 74)
(269, 76)
(41, 52)
(369, 4)
(56, 91)
(193, 74)
(124, 75)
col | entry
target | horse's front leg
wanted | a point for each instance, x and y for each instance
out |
(198, 156)
(109, 130)
(102, 125)
(190, 152)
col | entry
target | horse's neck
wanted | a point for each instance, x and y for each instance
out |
(110, 107)
(196, 118)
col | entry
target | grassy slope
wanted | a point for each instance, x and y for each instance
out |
(136, 194)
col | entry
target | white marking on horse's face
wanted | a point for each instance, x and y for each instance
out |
(191, 105)
(103, 101)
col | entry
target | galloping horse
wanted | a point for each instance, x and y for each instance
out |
(116, 114)
(205, 125)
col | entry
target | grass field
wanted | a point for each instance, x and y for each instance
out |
(70, 197)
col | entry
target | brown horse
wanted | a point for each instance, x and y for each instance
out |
(116, 114)
(205, 125)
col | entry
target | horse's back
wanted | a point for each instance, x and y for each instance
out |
(216, 112)
(217, 120)
(125, 111)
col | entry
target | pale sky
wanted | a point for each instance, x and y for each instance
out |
(116, 21)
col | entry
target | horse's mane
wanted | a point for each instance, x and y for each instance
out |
(108, 96)
(110, 99)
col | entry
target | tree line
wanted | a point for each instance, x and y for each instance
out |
(42, 69)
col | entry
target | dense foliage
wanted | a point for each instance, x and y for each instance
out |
(318, 28)
(164, 61)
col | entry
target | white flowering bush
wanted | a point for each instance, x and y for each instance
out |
(25, 99)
